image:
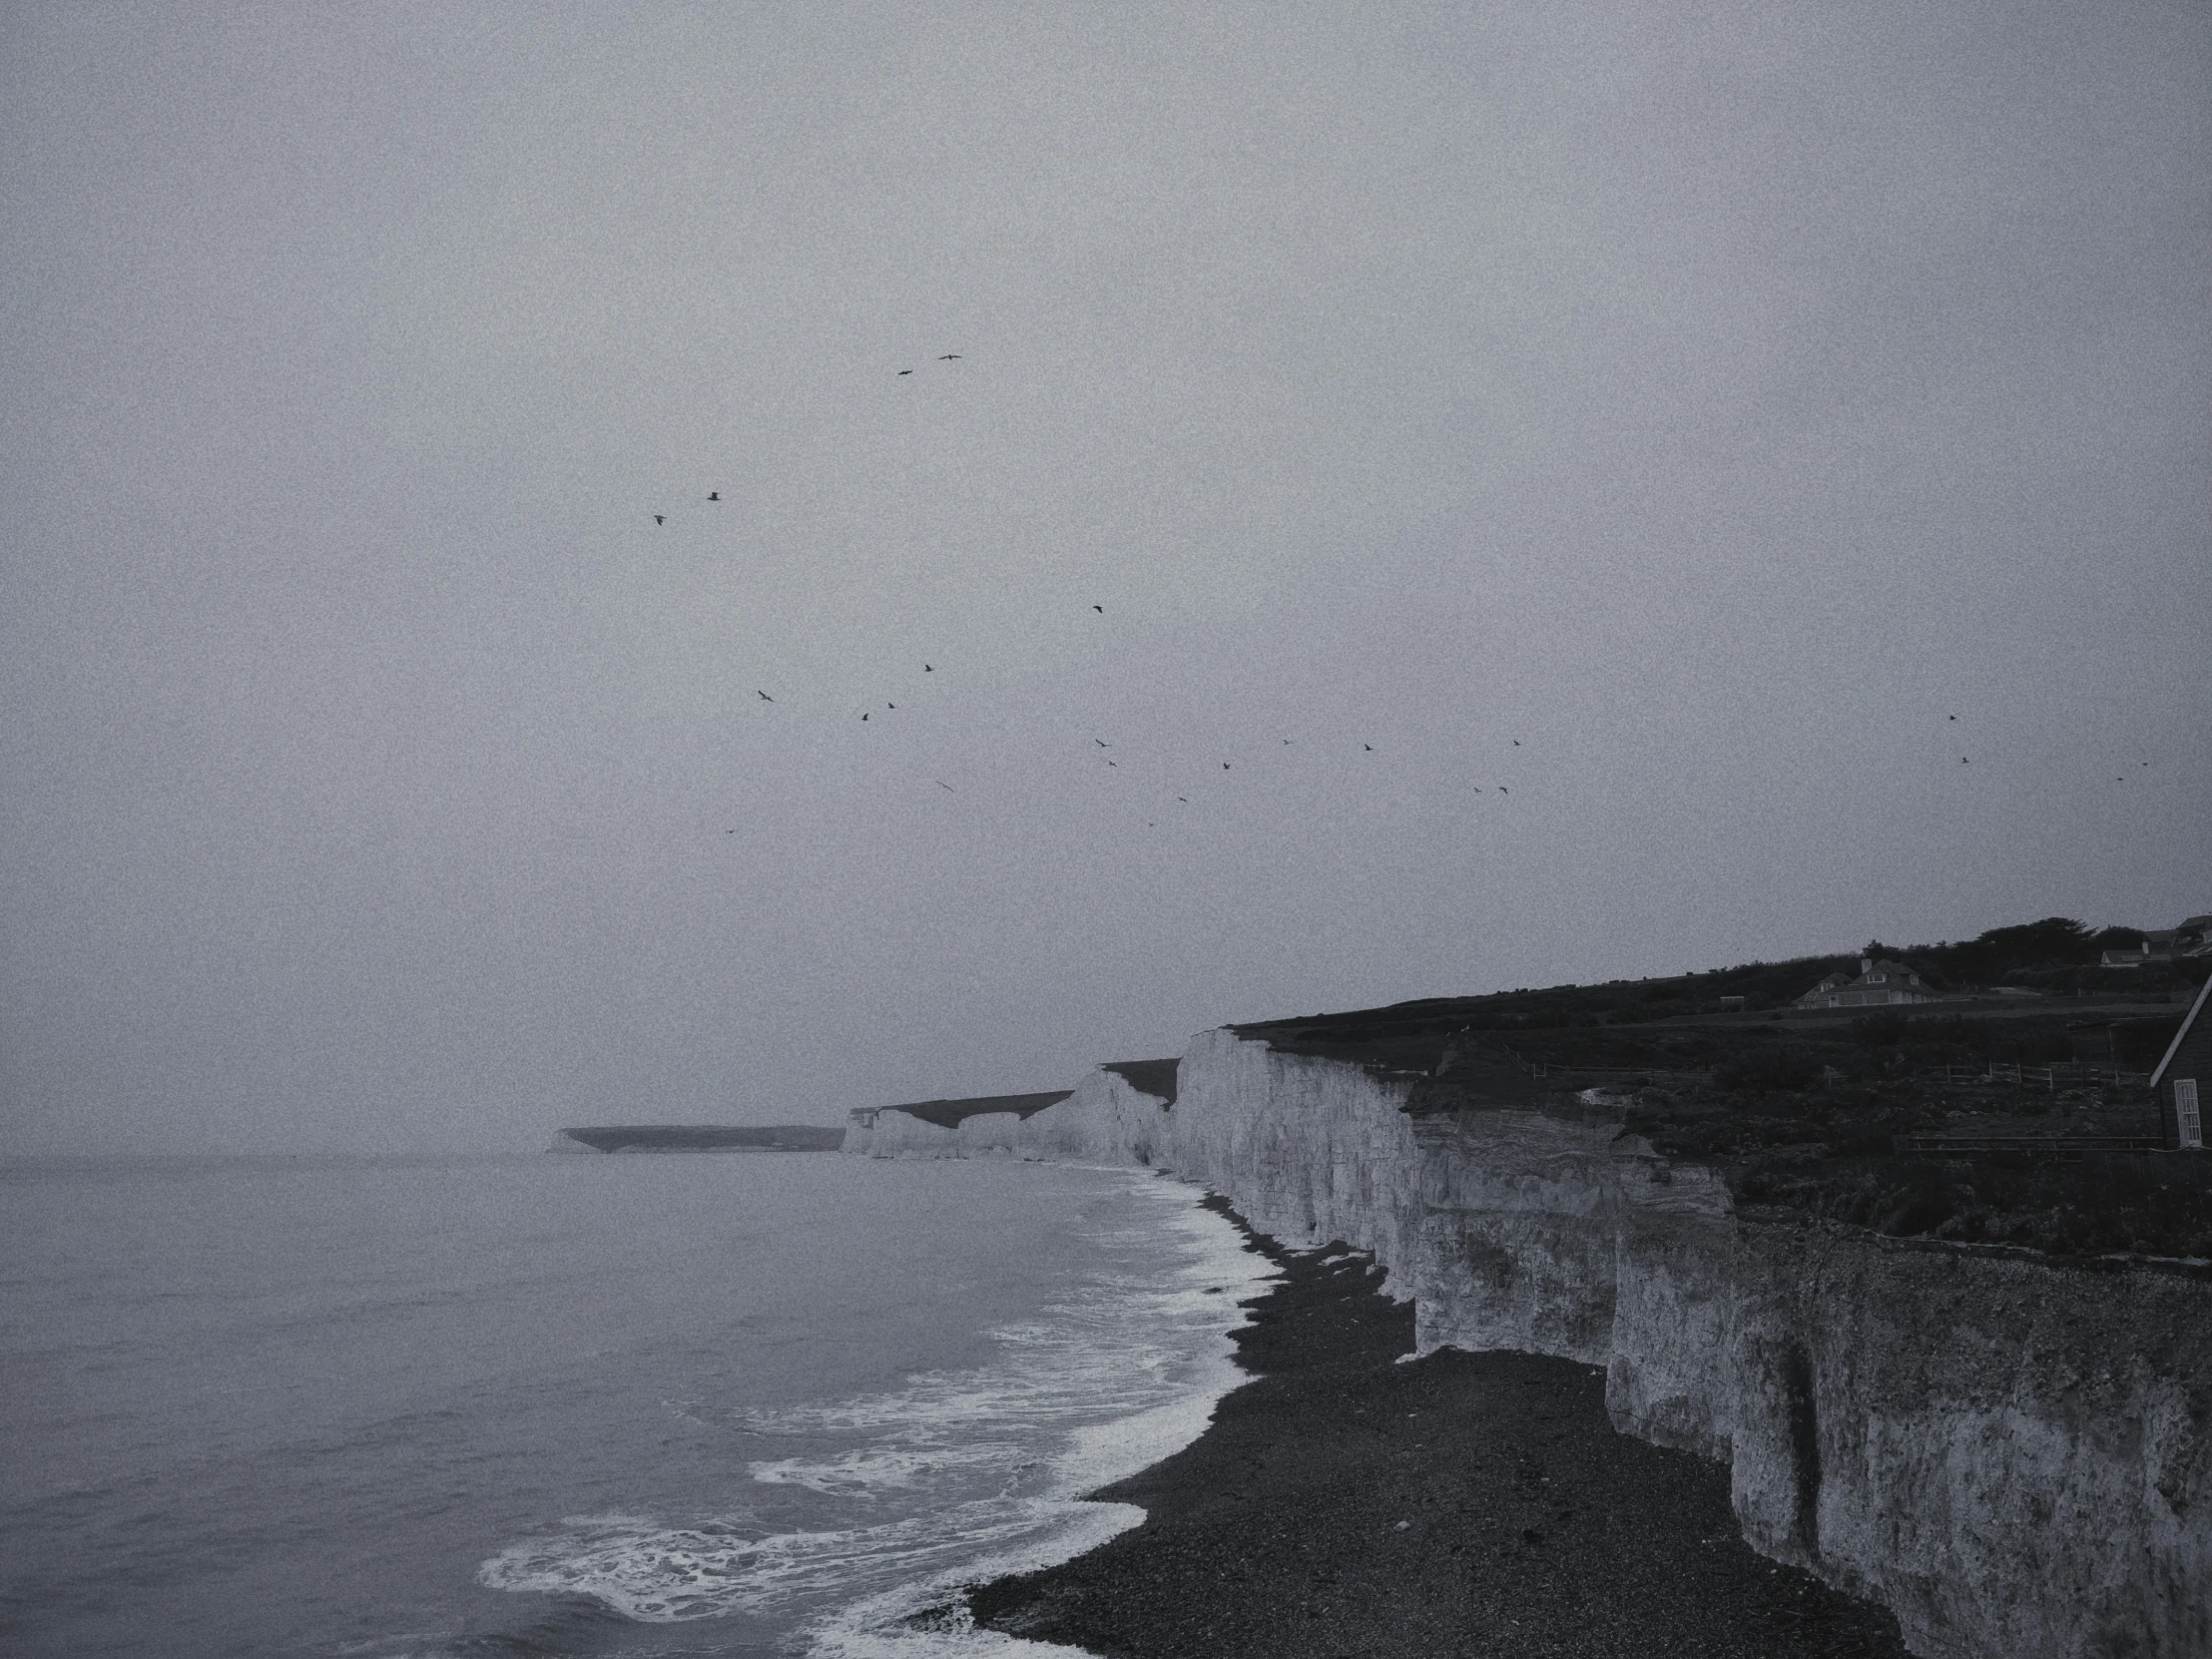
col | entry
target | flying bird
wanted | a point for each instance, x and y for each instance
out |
(1114, 764)
(1225, 765)
(863, 714)
(1186, 800)
(1368, 746)
(906, 371)
(942, 784)
(1502, 790)
(926, 669)
(660, 518)
(713, 495)
(762, 695)
(949, 358)
(1517, 742)
(1954, 717)
(1962, 760)
(1102, 742)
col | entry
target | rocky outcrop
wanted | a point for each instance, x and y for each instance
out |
(2013, 1453)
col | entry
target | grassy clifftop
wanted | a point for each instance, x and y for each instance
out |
(1830, 1113)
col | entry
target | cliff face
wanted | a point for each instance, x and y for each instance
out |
(2013, 1454)
(1518, 1216)
(1308, 1150)
(1104, 1120)
(781, 1137)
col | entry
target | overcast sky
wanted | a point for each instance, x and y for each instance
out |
(1570, 461)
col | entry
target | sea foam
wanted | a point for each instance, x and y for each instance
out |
(952, 1477)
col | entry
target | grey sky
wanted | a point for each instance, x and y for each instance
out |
(1714, 399)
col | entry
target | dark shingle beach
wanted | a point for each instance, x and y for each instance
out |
(1344, 1504)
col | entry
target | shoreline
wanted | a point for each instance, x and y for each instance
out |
(1344, 1502)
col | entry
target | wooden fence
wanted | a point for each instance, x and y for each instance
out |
(2049, 1145)
(2057, 1075)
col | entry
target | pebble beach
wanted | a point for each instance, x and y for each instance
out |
(1350, 1501)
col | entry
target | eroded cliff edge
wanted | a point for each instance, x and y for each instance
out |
(2012, 1452)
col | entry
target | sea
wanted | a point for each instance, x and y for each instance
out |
(692, 1404)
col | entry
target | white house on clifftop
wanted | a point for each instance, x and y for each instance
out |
(1879, 984)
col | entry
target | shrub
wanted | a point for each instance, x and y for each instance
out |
(1772, 1068)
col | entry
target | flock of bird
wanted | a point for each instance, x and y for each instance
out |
(1964, 759)
(660, 519)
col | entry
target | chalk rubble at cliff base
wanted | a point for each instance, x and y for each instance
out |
(2013, 1454)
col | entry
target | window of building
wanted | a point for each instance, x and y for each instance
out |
(2188, 1122)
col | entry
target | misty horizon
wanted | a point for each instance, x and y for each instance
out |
(1391, 505)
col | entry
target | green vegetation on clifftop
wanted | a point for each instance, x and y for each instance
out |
(1830, 1113)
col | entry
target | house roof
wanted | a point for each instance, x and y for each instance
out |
(1889, 967)
(2196, 1011)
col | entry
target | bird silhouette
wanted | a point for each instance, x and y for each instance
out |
(942, 784)
(1102, 742)
(1962, 760)
(1225, 765)
(1368, 746)
(1517, 742)
(1100, 609)
(713, 495)
(660, 518)
(890, 704)
(1186, 800)
(1114, 764)
(926, 669)
(1954, 717)
(949, 358)
(863, 715)
(762, 695)
(1502, 790)
(906, 371)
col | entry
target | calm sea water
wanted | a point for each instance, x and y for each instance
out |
(593, 1405)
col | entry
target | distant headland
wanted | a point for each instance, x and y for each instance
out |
(699, 1136)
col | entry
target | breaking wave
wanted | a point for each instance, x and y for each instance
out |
(952, 1476)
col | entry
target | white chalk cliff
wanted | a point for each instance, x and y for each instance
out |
(2013, 1453)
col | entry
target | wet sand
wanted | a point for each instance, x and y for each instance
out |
(1463, 1504)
